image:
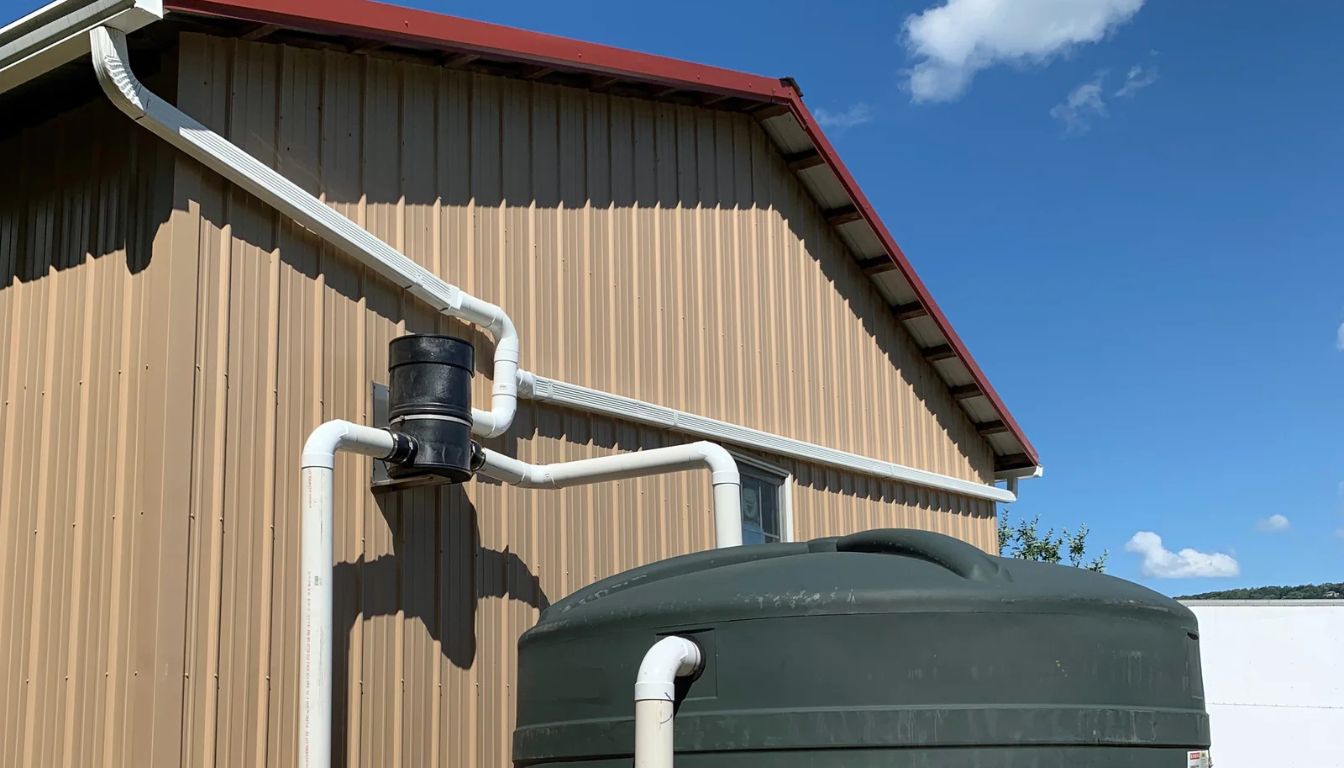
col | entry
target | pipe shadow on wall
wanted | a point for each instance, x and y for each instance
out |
(436, 574)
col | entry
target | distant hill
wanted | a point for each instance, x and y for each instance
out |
(1303, 592)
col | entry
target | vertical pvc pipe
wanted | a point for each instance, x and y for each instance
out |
(655, 698)
(316, 621)
(727, 513)
(315, 574)
(653, 733)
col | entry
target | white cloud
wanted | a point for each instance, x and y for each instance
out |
(1138, 78)
(1083, 104)
(1162, 563)
(856, 115)
(955, 40)
(1273, 524)
(1339, 338)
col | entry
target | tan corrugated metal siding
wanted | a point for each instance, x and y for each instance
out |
(169, 342)
(96, 364)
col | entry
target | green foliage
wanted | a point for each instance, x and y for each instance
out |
(1025, 542)
(1301, 592)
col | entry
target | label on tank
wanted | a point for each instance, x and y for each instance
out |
(1199, 758)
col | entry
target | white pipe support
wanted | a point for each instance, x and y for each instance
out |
(655, 698)
(112, 67)
(724, 476)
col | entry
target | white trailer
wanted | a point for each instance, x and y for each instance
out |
(1273, 681)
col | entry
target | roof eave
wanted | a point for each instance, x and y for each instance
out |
(59, 32)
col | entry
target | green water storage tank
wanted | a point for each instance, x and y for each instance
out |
(891, 648)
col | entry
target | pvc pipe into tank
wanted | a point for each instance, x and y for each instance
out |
(112, 66)
(655, 698)
(725, 477)
(315, 623)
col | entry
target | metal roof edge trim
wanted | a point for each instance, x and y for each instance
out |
(392, 23)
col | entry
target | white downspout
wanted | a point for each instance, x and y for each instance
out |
(726, 478)
(315, 623)
(112, 66)
(655, 698)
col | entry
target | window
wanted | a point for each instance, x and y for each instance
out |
(764, 503)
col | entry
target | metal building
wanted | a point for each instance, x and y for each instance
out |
(679, 243)
(1273, 680)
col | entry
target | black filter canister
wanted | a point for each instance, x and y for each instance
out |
(430, 401)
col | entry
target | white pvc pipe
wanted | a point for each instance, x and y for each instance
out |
(316, 571)
(725, 477)
(112, 66)
(655, 698)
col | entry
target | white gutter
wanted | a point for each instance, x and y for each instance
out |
(1012, 476)
(1022, 473)
(535, 387)
(59, 32)
(315, 624)
(725, 477)
(655, 698)
(110, 62)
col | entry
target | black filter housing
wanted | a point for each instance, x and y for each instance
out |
(429, 398)
(882, 649)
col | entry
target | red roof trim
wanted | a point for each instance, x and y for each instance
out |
(393, 24)
(390, 23)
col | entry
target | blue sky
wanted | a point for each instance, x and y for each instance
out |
(1152, 275)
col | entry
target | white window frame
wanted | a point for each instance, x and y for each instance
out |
(785, 478)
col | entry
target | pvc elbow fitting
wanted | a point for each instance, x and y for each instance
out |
(338, 434)
(665, 661)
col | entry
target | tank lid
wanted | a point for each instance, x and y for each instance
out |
(880, 571)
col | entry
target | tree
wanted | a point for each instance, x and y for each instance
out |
(1328, 591)
(1025, 542)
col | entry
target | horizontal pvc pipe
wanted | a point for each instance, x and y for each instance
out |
(724, 475)
(655, 698)
(534, 387)
(315, 621)
(112, 66)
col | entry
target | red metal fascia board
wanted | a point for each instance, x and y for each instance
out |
(393, 24)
